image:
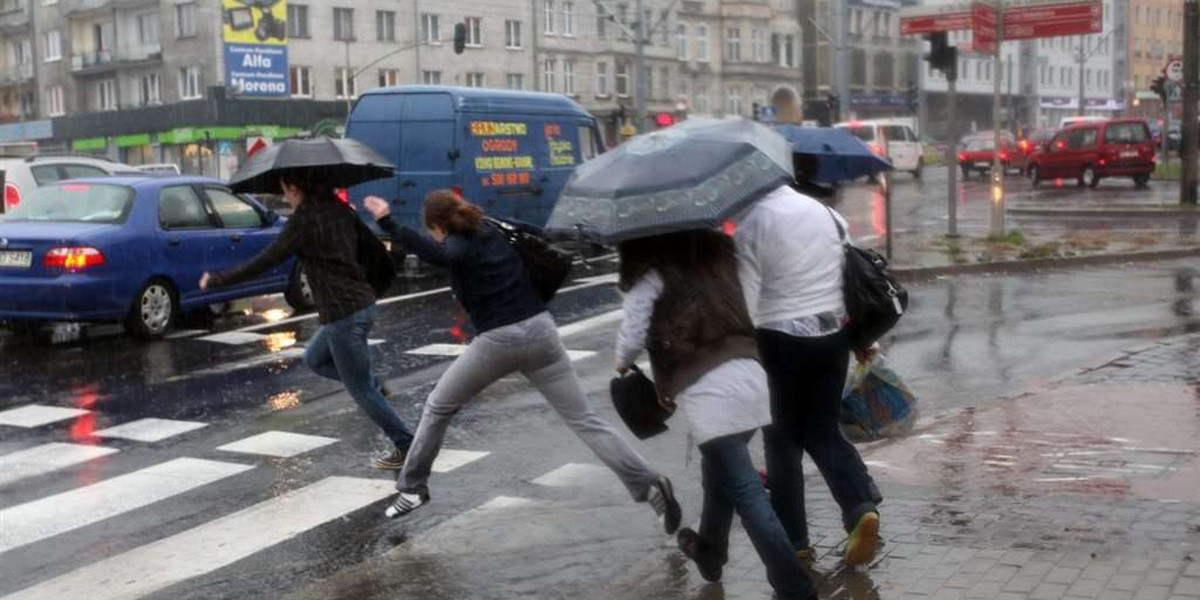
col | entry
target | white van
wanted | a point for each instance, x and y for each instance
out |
(893, 139)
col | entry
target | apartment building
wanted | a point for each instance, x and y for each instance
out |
(1155, 36)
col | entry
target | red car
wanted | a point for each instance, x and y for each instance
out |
(1032, 143)
(977, 153)
(1089, 152)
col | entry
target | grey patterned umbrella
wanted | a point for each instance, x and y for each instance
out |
(690, 176)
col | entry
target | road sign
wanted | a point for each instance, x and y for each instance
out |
(983, 27)
(1174, 91)
(1053, 20)
(1174, 69)
(916, 20)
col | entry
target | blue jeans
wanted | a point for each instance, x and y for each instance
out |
(806, 376)
(731, 484)
(339, 351)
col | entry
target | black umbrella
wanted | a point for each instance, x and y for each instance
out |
(340, 163)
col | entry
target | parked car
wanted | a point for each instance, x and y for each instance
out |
(1093, 151)
(133, 249)
(509, 152)
(893, 140)
(21, 175)
(160, 168)
(978, 152)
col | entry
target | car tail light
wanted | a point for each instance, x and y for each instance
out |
(12, 195)
(729, 228)
(1003, 155)
(962, 157)
(1024, 145)
(1103, 161)
(877, 148)
(343, 195)
(73, 258)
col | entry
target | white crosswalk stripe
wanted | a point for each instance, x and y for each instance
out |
(458, 349)
(41, 519)
(216, 544)
(150, 430)
(449, 460)
(278, 443)
(36, 415)
(577, 475)
(47, 458)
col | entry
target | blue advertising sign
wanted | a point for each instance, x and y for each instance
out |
(256, 69)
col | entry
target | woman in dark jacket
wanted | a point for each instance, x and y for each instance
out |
(514, 333)
(323, 233)
(683, 304)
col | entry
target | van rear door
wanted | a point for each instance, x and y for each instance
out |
(375, 122)
(428, 152)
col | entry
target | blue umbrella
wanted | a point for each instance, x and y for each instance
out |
(839, 155)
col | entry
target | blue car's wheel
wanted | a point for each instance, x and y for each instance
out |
(153, 310)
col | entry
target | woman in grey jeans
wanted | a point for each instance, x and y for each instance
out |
(515, 333)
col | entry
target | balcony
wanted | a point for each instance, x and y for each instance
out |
(92, 62)
(75, 7)
(16, 74)
(140, 53)
(14, 19)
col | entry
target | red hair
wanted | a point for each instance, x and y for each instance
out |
(447, 210)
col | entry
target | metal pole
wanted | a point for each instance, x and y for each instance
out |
(997, 168)
(842, 67)
(418, 77)
(349, 72)
(1008, 73)
(1191, 94)
(952, 151)
(887, 212)
(1082, 69)
(640, 99)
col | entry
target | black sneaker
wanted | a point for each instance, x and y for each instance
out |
(694, 547)
(662, 498)
(391, 461)
(405, 503)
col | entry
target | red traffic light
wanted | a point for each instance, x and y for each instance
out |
(664, 119)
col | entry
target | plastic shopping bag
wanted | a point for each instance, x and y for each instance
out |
(876, 403)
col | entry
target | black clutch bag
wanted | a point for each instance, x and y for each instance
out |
(636, 400)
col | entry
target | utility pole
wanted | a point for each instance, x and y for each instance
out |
(1082, 69)
(997, 166)
(952, 148)
(1191, 94)
(1008, 73)
(639, 119)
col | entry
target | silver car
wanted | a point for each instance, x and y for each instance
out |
(19, 176)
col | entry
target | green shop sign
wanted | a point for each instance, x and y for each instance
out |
(89, 144)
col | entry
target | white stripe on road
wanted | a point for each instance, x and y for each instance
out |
(234, 338)
(577, 475)
(43, 459)
(41, 519)
(458, 349)
(449, 460)
(278, 443)
(599, 320)
(214, 545)
(36, 415)
(150, 430)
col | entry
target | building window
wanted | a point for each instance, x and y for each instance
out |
(343, 24)
(431, 77)
(147, 27)
(649, 82)
(301, 78)
(602, 23)
(703, 104)
(622, 17)
(344, 84)
(430, 31)
(663, 29)
(549, 66)
(568, 18)
(569, 77)
(474, 32)
(515, 81)
(106, 95)
(512, 35)
(149, 90)
(54, 101)
(758, 45)
(734, 102)
(385, 26)
(665, 84)
(886, 20)
(548, 17)
(681, 41)
(185, 19)
(733, 44)
(297, 16)
(389, 77)
(622, 78)
(702, 42)
(189, 83)
(601, 79)
(476, 80)
(789, 51)
(53, 45)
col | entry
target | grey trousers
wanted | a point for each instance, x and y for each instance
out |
(532, 348)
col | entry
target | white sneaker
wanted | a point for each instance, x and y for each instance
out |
(404, 504)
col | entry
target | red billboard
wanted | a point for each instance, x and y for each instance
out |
(933, 22)
(983, 28)
(1053, 20)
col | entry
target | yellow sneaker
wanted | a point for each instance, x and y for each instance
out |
(863, 542)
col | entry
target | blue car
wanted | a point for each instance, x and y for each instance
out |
(132, 249)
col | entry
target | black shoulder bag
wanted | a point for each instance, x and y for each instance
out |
(875, 300)
(546, 266)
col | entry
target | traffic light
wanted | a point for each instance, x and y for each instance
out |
(942, 56)
(912, 96)
(1159, 87)
(460, 37)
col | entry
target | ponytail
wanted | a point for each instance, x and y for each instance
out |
(447, 210)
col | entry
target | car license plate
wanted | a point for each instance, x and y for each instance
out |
(14, 259)
(1129, 154)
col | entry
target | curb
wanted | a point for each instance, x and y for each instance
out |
(1129, 213)
(917, 274)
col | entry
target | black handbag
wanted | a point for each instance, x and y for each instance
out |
(374, 258)
(875, 300)
(637, 402)
(546, 266)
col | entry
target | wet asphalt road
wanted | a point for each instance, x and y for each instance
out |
(965, 341)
